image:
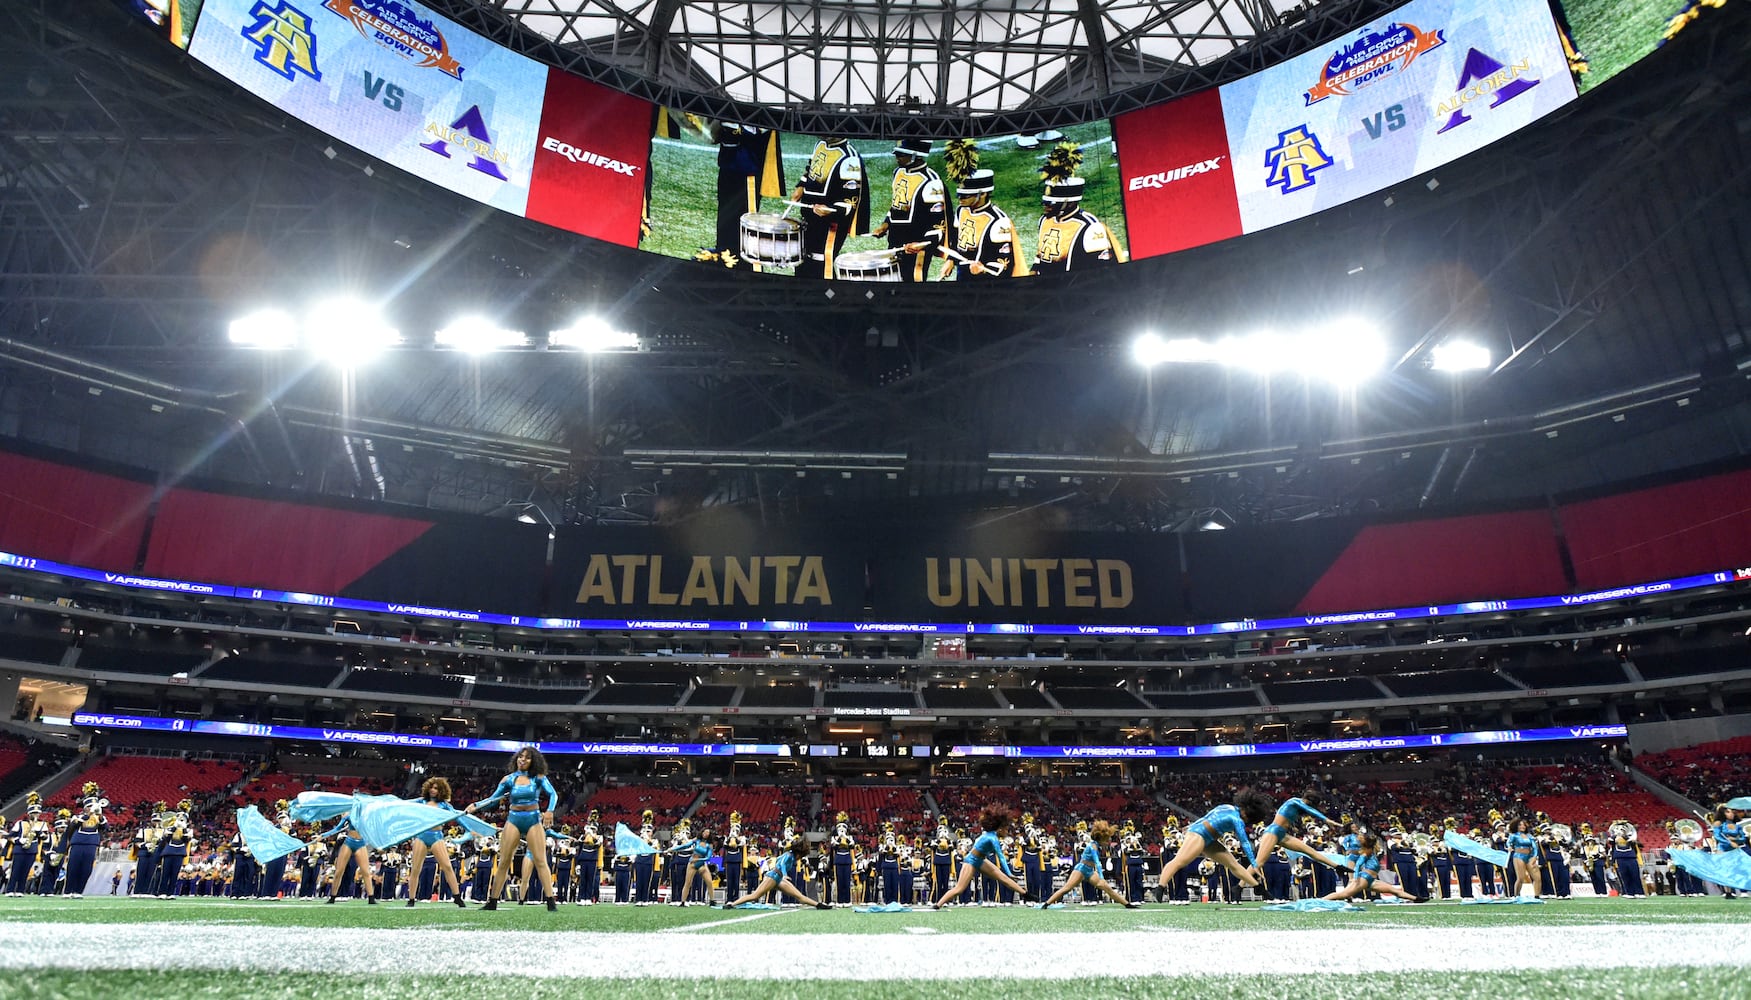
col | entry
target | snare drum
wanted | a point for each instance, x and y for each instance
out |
(867, 265)
(772, 240)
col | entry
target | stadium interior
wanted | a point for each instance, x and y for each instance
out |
(1429, 595)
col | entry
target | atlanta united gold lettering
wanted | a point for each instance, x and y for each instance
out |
(711, 581)
(1028, 583)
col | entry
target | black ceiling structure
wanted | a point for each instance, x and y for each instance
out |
(1602, 254)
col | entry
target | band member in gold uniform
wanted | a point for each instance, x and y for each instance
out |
(984, 243)
(835, 197)
(917, 222)
(1070, 238)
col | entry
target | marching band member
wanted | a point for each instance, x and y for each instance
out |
(942, 857)
(590, 860)
(30, 836)
(1204, 837)
(1406, 863)
(986, 857)
(644, 890)
(1441, 858)
(1031, 868)
(1367, 874)
(888, 863)
(835, 202)
(1071, 239)
(622, 879)
(985, 243)
(310, 869)
(274, 872)
(565, 853)
(84, 838)
(673, 861)
(524, 818)
(435, 792)
(1593, 853)
(1523, 856)
(1132, 860)
(917, 218)
(842, 853)
(696, 855)
(1088, 867)
(781, 877)
(146, 840)
(1466, 867)
(173, 850)
(1175, 890)
(55, 853)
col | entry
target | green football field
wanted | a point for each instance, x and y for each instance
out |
(1612, 34)
(103, 947)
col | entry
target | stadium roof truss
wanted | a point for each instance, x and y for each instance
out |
(940, 67)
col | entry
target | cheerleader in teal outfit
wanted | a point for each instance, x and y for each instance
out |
(698, 853)
(1524, 855)
(781, 878)
(1366, 878)
(1285, 826)
(986, 857)
(525, 821)
(434, 792)
(1088, 867)
(352, 849)
(1205, 837)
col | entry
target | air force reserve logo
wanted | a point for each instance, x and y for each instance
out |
(398, 27)
(1371, 58)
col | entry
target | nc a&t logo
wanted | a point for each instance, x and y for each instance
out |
(1294, 159)
(1484, 77)
(284, 44)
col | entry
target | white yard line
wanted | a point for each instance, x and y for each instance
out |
(721, 923)
(865, 957)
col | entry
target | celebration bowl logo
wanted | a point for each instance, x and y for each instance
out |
(1371, 58)
(397, 27)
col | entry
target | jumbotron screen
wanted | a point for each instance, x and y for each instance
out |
(744, 197)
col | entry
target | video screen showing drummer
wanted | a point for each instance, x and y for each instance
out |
(917, 221)
(985, 242)
(750, 166)
(834, 198)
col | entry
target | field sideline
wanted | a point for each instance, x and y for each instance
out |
(192, 947)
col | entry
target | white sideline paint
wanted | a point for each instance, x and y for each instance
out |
(871, 957)
(720, 923)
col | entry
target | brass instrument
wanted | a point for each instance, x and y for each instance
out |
(1689, 831)
(1562, 834)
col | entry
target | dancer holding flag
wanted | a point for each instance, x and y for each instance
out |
(524, 821)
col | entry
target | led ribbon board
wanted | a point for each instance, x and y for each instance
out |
(1364, 743)
(1241, 626)
(254, 730)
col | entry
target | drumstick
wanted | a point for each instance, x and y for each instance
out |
(952, 255)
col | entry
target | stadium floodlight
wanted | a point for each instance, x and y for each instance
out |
(1151, 349)
(1459, 356)
(265, 329)
(479, 335)
(593, 334)
(347, 331)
